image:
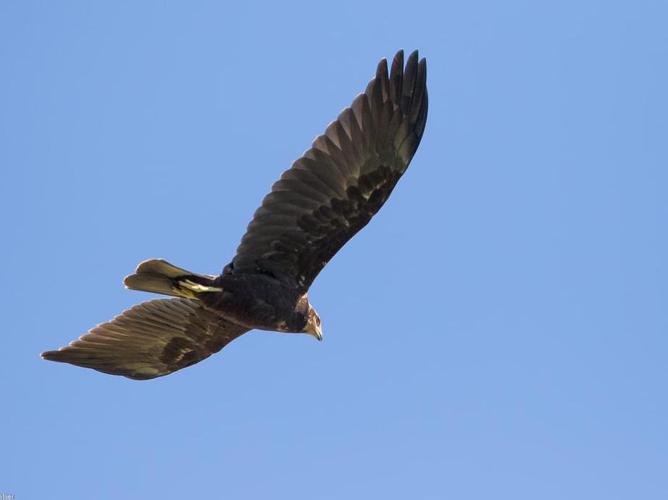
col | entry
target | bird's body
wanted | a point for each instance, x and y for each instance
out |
(317, 205)
(259, 301)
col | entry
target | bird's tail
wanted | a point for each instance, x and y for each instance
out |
(159, 276)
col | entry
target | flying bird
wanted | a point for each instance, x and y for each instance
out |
(317, 205)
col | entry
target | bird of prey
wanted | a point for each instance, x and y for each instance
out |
(317, 205)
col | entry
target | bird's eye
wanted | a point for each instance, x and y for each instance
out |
(317, 321)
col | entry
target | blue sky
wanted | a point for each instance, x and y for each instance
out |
(498, 331)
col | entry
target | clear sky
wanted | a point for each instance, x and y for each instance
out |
(499, 331)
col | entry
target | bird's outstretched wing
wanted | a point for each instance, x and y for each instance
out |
(151, 339)
(334, 189)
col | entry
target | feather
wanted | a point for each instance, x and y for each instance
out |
(152, 339)
(337, 186)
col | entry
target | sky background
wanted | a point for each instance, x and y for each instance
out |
(499, 331)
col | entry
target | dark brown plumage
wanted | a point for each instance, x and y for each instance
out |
(151, 339)
(317, 205)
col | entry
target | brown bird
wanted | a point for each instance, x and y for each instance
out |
(317, 205)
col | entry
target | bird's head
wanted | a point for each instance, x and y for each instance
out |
(313, 323)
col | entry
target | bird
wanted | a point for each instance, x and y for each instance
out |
(316, 207)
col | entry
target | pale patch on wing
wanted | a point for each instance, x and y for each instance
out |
(197, 288)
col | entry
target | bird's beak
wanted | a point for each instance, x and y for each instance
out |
(314, 330)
